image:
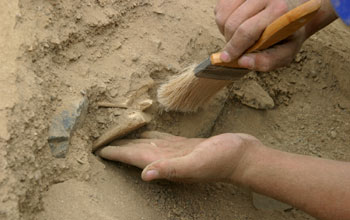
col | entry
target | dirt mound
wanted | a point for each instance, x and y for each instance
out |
(119, 52)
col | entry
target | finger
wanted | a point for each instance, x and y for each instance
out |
(249, 32)
(181, 168)
(270, 59)
(223, 10)
(294, 3)
(136, 155)
(129, 141)
(159, 135)
(245, 11)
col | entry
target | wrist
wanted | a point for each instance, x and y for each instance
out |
(254, 151)
(325, 16)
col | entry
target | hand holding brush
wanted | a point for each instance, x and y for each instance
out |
(198, 84)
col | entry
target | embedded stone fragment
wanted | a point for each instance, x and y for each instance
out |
(253, 95)
(262, 202)
(145, 104)
(65, 121)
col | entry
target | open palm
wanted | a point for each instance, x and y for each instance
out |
(164, 156)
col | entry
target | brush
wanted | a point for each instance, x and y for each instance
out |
(197, 84)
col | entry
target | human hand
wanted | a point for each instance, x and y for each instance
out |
(164, 156)
(243, 21)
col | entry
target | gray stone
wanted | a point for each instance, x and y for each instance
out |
(65, 121)
(264, 203)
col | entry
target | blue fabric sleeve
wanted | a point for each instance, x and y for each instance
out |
(342, 8)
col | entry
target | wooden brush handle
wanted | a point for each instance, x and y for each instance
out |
(279, 30)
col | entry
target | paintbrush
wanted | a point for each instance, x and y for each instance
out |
(196, 85)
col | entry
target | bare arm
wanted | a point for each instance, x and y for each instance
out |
(317, 186)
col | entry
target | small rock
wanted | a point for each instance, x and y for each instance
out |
(313, 74)
(118, 45)
(37, 175)
(292, 81)
(157, 43)
(343, 105)
(333, 134)
(265, 203)
(100, 119)
(135, 58)
(78, 17)
(65, 121)
(89, 43)
(298, 58)
(158, 11)
(102, 3)
(98, 54)
(144, 105)
(255, 96)
(114, 92)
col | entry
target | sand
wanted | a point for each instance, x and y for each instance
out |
(120, 52)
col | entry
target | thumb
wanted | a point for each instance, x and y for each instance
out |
(174, 169)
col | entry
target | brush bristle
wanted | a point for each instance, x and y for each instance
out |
(187, 93)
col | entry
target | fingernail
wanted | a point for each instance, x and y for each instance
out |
(246, 62)
(108, 153)
(151, 175)
(104, 152)
(225, 57)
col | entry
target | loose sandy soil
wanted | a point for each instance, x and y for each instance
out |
(120, 51)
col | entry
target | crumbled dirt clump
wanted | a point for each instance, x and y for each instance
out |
(119, 52)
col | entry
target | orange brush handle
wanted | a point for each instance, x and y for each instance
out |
(279, 30)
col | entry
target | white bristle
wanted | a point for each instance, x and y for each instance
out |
(187, 93)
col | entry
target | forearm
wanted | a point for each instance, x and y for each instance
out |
(325, 16)
(317, 186)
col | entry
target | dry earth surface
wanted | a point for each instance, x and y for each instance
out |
(120, 51)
